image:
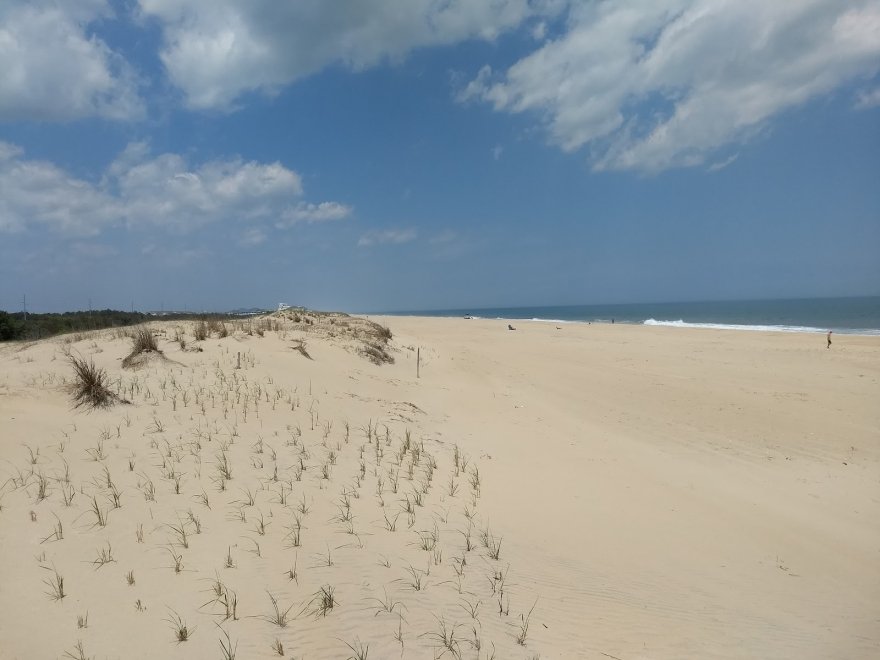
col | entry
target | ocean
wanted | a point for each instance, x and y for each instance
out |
(842, 315)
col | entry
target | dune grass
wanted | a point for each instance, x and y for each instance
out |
(91, 385)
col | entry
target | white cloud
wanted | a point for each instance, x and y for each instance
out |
(386, 236)
(653, 84)
(721, 164)
(53, 68)
(868, 99)
(217, 50)
(539, 31)
(33, 191)
(307, 212)
(166, 190)
(497, 151)
(141, 190)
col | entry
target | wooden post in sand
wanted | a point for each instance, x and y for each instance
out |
(418, 360)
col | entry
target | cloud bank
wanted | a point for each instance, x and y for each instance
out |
(654, 84)
(141, 190)
(54, 69)
(217, 50)
(642, 85)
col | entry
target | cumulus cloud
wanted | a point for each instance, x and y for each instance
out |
(386, 236)
(55, 68)
(217, 50)
(654, 84)
(33, 191)
(142, 190)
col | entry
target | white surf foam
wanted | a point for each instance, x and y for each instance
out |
(755, 328)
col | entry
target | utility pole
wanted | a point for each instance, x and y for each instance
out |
(24, 306)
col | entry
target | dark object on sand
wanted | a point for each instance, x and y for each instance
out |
(510, 327)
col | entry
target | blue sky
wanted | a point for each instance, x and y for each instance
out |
(373, 155)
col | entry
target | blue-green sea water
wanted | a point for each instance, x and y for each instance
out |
(844, 315)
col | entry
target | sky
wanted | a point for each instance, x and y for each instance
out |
(370, 155)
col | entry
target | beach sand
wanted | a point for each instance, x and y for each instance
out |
(649, 493)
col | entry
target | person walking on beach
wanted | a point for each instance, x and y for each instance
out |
(828, 337)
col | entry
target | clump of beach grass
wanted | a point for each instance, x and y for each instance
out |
(324, 601)
(91, 385)
(78, 652)
(144, 341)
(444, 638)
(56, 585)
(200, 330)
(182, 632)
(229, 649)
(300, 347)
(279, 615)
(359, 650)
(524, 626)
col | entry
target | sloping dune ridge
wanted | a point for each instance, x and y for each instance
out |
(298, 486)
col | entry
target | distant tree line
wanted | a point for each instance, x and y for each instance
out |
(37, 326)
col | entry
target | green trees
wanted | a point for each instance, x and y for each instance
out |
(9, 327)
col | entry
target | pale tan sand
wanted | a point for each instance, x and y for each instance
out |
(662, 493)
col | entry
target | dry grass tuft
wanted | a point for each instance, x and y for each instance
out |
(200, 331)
(377, 353)
(359, 650)
(300, 347)
(90, 385)
(55, 584)
(144, 340)
(78, 652)
(144, 347)
(182, 632)
(279, 615)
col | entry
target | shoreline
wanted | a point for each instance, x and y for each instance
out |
(848, 315)
(857, 332)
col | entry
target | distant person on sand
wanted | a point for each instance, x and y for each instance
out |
(828, 337)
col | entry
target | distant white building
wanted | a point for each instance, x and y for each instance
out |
(283, 306)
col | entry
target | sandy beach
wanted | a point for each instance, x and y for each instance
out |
(557, 491)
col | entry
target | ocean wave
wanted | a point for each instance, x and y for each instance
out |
(758, 328)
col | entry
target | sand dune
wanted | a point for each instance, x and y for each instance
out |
(643, 492)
